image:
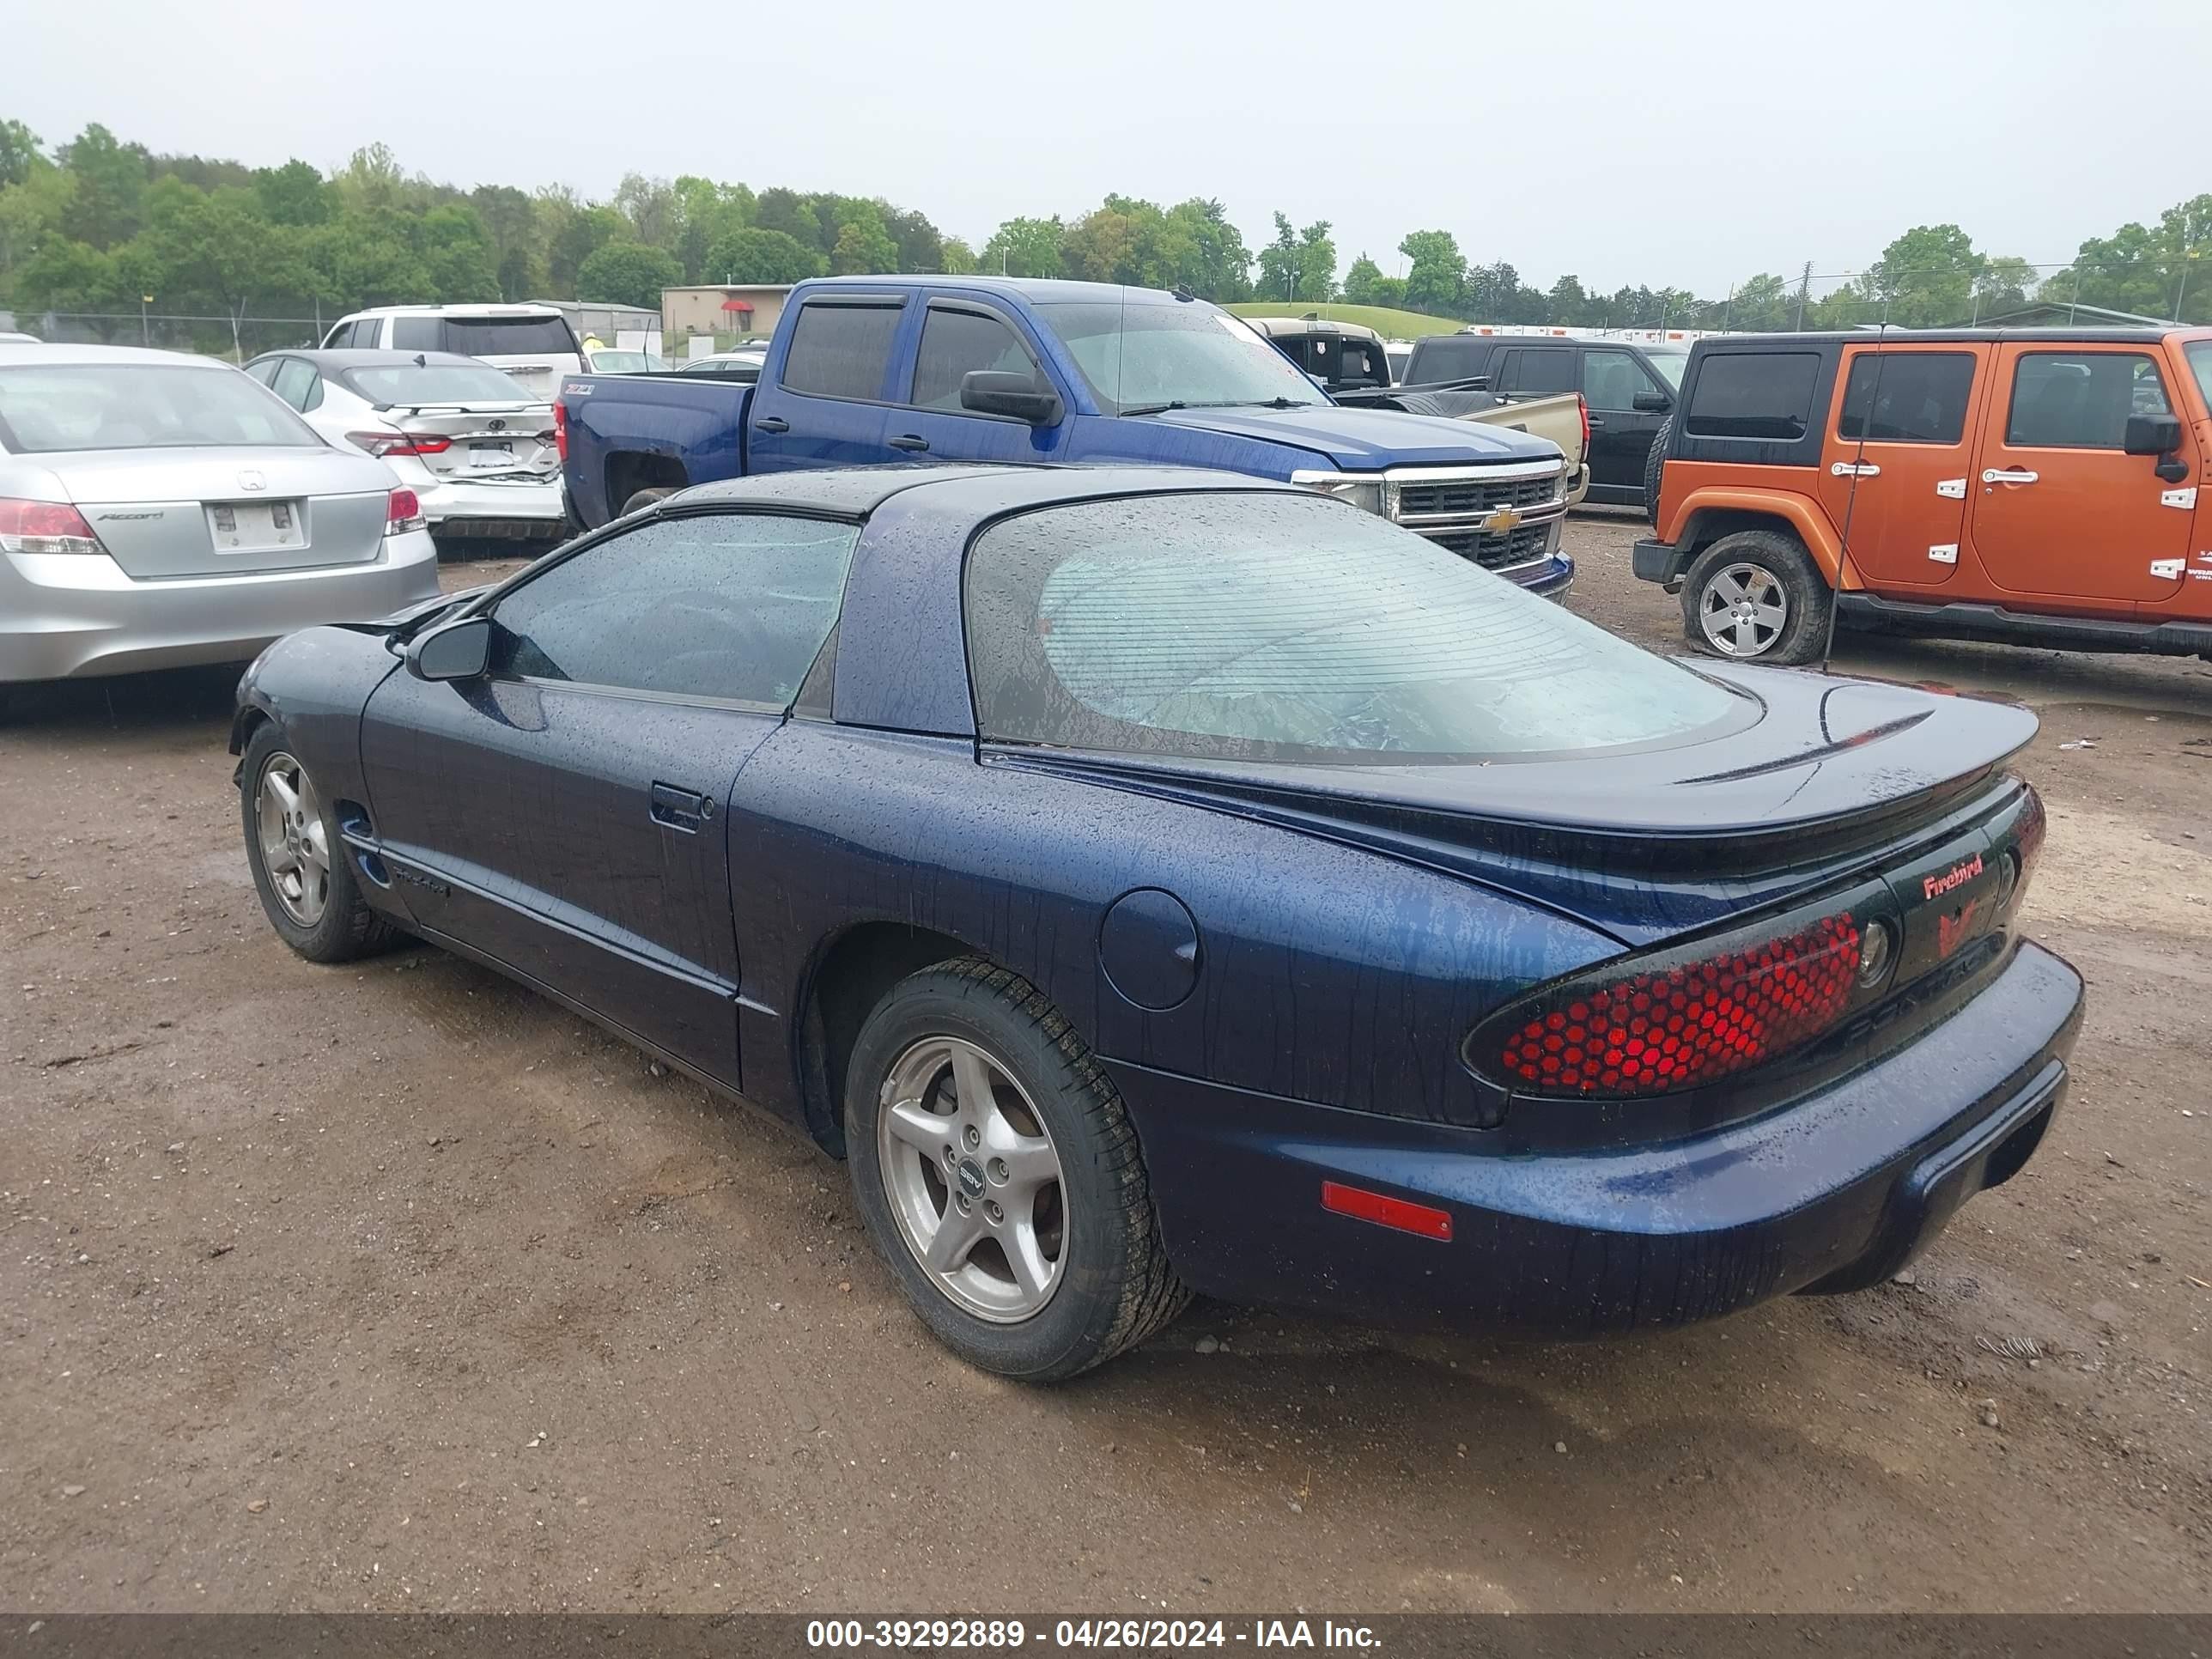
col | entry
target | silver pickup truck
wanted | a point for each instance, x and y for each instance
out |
(1350, 361)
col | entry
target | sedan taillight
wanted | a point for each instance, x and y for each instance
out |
(44, 527)
(402, 513)
(381, 444)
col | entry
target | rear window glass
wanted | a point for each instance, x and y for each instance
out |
(2082, 400)
(141, 406)
(1907, 397)
(1239, 626)
(1542, 374)
(433, 383)
(841, 351)
(484, 337)
(1754, 394)
(1446, 360)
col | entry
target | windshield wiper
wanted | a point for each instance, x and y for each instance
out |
(1152, 409)
(1267, 403)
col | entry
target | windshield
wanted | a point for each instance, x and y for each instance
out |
(433, 383)
(1253, 626)
(2200, 363)
(1149, 355)
(1670, 363)
(142, 406)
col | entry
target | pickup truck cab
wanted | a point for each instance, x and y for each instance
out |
(865, 370)
(2032, 486)
(1627, 388)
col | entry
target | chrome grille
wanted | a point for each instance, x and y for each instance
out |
(1524, 544)
(1470, 497)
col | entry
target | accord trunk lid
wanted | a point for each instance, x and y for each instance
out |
(223, 512)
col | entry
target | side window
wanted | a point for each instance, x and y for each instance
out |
(954, 342)
(413, 334)
(1763, 395)
(1613, 379)
(2081, 399)
(314, 392)
(341, 334)
(1538, 372)
(729, 606)
(841, 350)
(1907, 397)
(291, 382)
(266, 370)
(1448, 360)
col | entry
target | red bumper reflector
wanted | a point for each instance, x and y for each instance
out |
(1385, 1211)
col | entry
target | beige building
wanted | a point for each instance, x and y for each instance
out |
(718, 309)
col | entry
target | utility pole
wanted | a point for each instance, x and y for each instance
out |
(1804, 288)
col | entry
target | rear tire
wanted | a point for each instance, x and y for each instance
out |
(301, 867)
(645, 498)
(1757, 596)
(1655, 470)
(1037, 1163)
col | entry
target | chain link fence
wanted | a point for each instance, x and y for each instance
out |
(233, 339)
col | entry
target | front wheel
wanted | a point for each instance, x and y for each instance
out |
(308, 885)
(999, 1174)
(1757, 594)
(645, 498)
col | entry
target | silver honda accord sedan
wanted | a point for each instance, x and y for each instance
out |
(158, 509)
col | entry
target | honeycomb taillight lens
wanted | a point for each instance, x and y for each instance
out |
(1680, 1020)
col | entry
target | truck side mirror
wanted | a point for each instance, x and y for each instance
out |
(1651, 403)
(458, 651)
(995, 391)
(2153, 435)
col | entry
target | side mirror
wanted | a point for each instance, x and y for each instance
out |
(995, 391)
(458, 651)
(2153, 435)
(1651, 403)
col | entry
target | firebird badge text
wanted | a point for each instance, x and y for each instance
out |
(1957, 876)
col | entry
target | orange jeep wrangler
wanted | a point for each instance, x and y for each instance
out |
(2034, 486)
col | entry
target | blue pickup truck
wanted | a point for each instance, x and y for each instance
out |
(866, 370)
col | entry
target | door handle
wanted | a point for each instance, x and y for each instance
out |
(1595, 423)
(771, 424)
(1856, 470)
(910, 441)
(680, 808)
(2008, 474)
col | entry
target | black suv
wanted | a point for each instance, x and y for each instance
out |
(1630, 390)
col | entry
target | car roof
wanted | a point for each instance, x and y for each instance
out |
(1271, 326)
(2103, 335)
(1037, 291)
(964, 490)
(337, 358)
(51, 354)
(487, 308)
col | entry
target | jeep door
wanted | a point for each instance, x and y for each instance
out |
(2060, 512)
(1897, 461)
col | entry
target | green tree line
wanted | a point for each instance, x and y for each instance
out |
(99, 225)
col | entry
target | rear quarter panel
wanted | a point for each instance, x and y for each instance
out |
(696, 421)
(1325, 973)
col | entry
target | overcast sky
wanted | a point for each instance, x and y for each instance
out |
(1690, 145)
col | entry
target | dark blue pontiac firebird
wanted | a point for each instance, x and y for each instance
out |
(1154, 882)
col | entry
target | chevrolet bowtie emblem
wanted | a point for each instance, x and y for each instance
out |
(1500, 522)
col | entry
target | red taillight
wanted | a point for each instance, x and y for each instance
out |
(1385, 1211)
(561, 432)
(402, 512)
(381, 444)
(1582, 409)
(44, 527)
(1679, 1024)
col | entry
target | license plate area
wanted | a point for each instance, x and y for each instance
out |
(492, 452)
(255, 527)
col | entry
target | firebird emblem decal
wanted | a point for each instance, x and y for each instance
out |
(1951, 931)
(1957, 876)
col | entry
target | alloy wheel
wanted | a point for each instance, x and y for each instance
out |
(973, 1179)
(294, 847)
(1743, 610)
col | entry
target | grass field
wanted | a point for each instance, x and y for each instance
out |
(1390, 324)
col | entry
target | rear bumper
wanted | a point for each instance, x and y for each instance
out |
(482, 509)
(64, 615)
(1657, 561)
(1832, 1193)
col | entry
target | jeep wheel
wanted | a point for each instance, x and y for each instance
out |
(1757, 594)
(1655, 466)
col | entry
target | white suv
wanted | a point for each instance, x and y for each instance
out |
(533, 343)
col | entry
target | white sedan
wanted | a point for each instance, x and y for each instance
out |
(470, 441)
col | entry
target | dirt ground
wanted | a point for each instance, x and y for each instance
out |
(392, 1286)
